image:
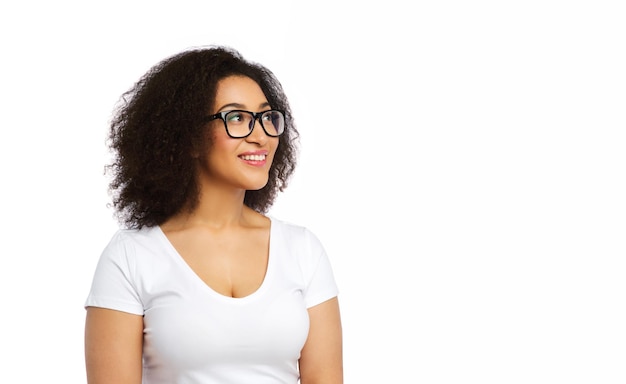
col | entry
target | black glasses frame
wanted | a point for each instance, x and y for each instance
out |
(255, 116)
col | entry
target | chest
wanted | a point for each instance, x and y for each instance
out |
(197, 333)
(191, 327)
(233, 266)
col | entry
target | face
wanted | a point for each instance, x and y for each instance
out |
(242, 163)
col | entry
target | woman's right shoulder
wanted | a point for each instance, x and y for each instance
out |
(128, 241)
(128, 235)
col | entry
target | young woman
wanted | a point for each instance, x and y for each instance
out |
(199, 285)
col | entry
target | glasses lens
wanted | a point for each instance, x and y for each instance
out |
(238, 123)
(273, 122)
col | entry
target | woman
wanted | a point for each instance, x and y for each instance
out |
(200, 286)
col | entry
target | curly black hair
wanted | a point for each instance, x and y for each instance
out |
(160, 123)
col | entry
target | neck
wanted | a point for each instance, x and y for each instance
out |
(216, 209)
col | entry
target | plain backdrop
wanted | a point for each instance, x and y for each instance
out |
(463, 163)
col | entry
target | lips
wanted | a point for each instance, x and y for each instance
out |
(257, 158)
(260, 157)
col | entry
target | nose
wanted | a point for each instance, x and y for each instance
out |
(258, 133)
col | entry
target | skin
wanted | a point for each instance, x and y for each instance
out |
(232, 267)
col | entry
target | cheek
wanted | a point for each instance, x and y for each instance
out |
(221, 142)
(216, 135)
(274, 148)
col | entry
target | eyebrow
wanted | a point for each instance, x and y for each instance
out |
(241, 106)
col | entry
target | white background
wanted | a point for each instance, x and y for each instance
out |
(463, 163)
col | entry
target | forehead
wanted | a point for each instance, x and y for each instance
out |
(239, 90)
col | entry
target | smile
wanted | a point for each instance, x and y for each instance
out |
(253, 157)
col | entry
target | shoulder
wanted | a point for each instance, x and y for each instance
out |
(125, 242)
(130, 236)
(306, 252)
(298, 239)
(293, 231)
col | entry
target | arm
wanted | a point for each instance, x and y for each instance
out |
(113, 346)
(321, 360)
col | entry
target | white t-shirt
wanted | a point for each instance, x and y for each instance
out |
(192, 334)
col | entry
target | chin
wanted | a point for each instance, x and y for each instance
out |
(255, 186)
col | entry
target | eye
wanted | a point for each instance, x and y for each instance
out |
(234, 117)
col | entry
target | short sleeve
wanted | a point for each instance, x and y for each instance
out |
(113, 285)
(321, 284)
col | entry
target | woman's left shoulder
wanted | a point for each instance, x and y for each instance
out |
(296, 233)
(288, 227)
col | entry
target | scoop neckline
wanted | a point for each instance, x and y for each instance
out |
(206, 287)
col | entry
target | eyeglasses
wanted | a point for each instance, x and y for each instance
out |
(239, 124)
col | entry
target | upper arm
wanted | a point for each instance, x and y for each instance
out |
(321, 359)
(113, 346)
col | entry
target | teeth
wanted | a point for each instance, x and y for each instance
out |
(253, 157)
